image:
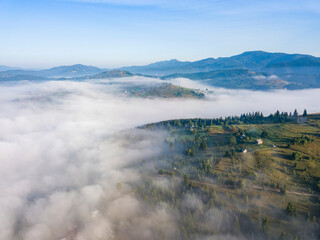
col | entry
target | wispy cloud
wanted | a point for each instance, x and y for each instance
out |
(233, 6)
(177, 4)
(124, 2)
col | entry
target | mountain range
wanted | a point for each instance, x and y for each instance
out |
(236, 79)
(56, 72)
(6, 68)
(252, 70)
(254, 60)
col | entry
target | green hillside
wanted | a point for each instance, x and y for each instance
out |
(237, 187)
(162, 90)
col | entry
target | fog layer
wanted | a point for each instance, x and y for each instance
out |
(68, 156)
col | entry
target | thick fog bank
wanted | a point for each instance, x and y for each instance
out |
(67, 156)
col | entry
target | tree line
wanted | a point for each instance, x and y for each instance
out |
(247, 118)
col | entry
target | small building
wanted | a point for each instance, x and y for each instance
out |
(244, 150)
(242, 136)
(259, 141)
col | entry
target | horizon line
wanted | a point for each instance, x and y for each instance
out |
(156, 61)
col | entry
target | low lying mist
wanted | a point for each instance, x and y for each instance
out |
(70, 155)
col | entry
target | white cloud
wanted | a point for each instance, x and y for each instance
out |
(63, 150)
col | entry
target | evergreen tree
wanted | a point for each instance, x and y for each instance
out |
(171, 146)
(264, 134)
(265, 225)
(186, 180)
(291, 210)
(305, 113)
(203, 144)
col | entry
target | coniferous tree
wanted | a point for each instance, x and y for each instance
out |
(264, 134)
(186, 180)
(265, 225)
(305, 113)
(291, 210)
(203, 144)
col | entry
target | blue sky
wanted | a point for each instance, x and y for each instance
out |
(112, 33)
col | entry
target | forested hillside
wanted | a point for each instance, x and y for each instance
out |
(251, 176)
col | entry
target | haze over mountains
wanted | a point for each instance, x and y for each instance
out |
(6, 68)
(254, 60)
(249, 70)
(56, 72)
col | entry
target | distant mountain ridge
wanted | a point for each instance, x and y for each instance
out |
(57, 72)
(7, 68)
(300, 62)
(299, 70)
(253, 60)
(249, 70)
(235, 79)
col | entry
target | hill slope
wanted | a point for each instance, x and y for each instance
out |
(162, 90)
(236, 79)
(109, 74)
(220, 181)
